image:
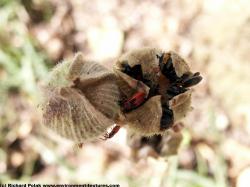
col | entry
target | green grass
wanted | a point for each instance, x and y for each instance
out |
(21, 65)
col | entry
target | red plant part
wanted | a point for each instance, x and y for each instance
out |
(135, 101)
(109, 135)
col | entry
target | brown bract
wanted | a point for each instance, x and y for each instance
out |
(80, 99)
(146, 119)
(163, 145)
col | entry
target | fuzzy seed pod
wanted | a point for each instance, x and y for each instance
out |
(80, 100)
(158, 74)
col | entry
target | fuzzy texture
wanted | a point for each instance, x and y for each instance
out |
(80, 100)
(181, 105)
(145, 119)
(180, 65)
(146, 123)
(146, 57)
(163, 145)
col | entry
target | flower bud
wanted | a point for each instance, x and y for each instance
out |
(165, 78)
(80, 99)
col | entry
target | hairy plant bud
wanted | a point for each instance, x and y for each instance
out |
(80, 99)
(155, 89)
(148, 92)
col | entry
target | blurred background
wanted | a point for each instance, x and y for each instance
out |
(212, 35)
